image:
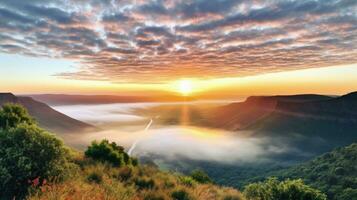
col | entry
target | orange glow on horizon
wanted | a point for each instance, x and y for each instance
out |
(185, 87)
(327, 80)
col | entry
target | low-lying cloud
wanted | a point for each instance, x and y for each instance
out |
(207, 145)
(168, 142)
(104, 113)
(173, 143)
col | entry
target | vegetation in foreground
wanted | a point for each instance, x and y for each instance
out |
(36, 165)
(272, 189)
(334, 173)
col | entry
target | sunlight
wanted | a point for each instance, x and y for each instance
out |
(185, 87)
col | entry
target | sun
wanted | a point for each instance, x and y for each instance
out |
(185, 87)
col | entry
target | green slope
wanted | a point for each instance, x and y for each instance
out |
(334, 173)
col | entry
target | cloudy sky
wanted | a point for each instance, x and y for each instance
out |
(155, 42)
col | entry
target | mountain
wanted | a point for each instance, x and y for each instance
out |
(47, 117)
(334, 173)
(241, 115)
(63, 99)
(314, 123)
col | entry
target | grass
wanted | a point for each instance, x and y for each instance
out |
(94, 180)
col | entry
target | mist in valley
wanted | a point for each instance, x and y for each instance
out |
(128, 125)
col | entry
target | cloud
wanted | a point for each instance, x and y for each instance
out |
(135, 41)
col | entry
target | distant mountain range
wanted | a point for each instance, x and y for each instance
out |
(47, 117)
(64, 99)
(316, 122)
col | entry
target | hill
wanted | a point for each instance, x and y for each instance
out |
(334, 173)
(64, 99)
(238, 116)
(47, 117)
(315, 122)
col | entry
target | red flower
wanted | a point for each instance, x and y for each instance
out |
(36, 181)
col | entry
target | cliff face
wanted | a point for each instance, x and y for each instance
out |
(243, 115)
(47, 117)
(316, 123)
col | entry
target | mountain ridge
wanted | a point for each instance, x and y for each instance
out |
(243, 115)
(47, 117)
(66, 99)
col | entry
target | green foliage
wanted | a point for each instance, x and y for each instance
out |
(232, 197)
(272, 189)
(12, 115)
(144, 183)
(347, 194)
(334, 173)
(181, 195)
(200, 176)
(188, 181)
(95, 177)
(134, 161)
(29, 155)
(125, 173)
(153, 196)
(108, 152)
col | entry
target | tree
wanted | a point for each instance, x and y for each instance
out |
(272, 189)
(200, 176)
(109, 152)
(13, 114)
(29, 154)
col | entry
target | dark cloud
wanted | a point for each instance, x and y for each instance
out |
(189, 9)
(55, 14)
(156, 7)
(115, 17)
(121, 41)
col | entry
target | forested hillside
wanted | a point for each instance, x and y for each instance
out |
(47, 117)
(335, 173)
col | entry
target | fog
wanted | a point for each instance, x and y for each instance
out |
(170, 142)
(104, 113)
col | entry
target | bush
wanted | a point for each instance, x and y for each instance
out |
(12, 115)
(272, 189)
(180, 195)
(153, 196)
(232, 197)
(29, 155)
(95, 177)
(125, 173)
(108, 152)
(187, 181)
(200, 176)
(134, 162)
(348, 194)
(144, 183)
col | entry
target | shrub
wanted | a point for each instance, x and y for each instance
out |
(125, 173)
(200, 176)
(108, 152)
(134, 162)
(12, 115)
(187, 181)
(180, 195)
(95, 177)
(347, 194)
(232, 197)
(29, 155)
(272, 189)
(144, 183)
(153, 196)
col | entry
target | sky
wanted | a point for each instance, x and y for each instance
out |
(219, 46)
